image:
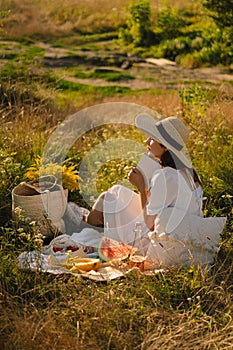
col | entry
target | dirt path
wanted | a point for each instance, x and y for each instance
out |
(163, 78)
(150, 73)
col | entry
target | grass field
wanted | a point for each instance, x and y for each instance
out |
(177, 308)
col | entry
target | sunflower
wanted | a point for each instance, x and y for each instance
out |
(70, 176)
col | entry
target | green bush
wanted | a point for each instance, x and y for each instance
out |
(190, 36)
(218, 53)
(138, 29)
(172, 48)
(221, 11)
(190, 60)
(170, 23)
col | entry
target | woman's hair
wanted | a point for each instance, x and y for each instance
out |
(170, 159)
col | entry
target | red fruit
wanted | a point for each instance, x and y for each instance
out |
(72, 248)
(57, 249)
(110, 249)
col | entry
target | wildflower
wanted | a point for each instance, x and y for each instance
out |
(32, 223)
(18, 212)
(20, 230)
(69, 173)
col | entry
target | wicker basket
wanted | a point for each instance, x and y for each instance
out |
(40, 206)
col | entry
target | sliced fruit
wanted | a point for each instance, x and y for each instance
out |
(83, 264)
(110, 249)
(137, 261)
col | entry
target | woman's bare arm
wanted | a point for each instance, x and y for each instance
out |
(136, 179)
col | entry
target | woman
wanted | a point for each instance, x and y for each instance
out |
(165, 208)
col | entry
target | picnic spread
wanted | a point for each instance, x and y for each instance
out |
(90, 253)
(124, 244)
(67, 255)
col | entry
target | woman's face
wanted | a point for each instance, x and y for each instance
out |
(155, 147)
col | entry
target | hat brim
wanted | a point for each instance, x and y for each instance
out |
(148, 126)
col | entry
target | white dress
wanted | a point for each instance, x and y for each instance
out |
(122, 206)
(181, 236)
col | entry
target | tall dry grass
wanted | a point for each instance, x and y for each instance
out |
(59, 17)
(167, 311)
(46, 18)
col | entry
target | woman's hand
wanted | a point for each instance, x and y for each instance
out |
(136, 179)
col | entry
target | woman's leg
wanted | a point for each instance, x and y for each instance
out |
(96, 217)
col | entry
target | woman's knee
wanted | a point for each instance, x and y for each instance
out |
(95, 218)
(99, 203)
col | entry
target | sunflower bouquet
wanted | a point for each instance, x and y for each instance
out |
(70, 177)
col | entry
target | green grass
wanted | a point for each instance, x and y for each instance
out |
(112, 90)
(24, 54)
(108, 75)
(84, 42)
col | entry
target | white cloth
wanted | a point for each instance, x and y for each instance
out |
(193, 241)
(88, 236)
(169, 188)
(122, 210)
(174, 200)
(122, 206)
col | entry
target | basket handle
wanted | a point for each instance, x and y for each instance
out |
(49, 181)
(45, 183)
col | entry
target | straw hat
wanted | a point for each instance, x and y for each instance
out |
(170, 132)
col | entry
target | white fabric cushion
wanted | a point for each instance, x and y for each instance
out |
(184, 239)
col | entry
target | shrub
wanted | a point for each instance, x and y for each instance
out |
(190, 60)
(221, 11)
(218, 53)
(138, 29)
(172, 48)
(170, 22)
(220, 50)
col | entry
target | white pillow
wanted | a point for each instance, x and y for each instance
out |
(182, 239)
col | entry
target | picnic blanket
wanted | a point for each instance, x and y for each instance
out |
(50, 261)
(36, 260)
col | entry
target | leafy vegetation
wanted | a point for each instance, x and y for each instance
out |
(139, 27)
(108, 75)
(192, 34)
(221, 11)
(185, 35)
